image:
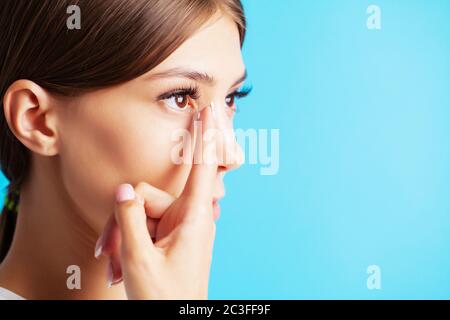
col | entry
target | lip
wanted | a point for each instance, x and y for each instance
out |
(216, 209)
(219, 196)
(216, 206)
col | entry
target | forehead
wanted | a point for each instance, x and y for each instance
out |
(214, 49)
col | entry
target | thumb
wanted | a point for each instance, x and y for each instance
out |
(132, 221)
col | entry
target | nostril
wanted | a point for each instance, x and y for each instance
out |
(221, 169)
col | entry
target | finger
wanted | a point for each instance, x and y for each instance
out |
(152, 224)
(112, 249)
(112, 246)
(115, 275)
(109, 245)
(132, 221)
(100, 246)
(196, 240)
(112, 238)
(202, 176)
(156, 203)
(156, 200)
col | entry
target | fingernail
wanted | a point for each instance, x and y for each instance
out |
(111, 281)
(125, 192)
(198, 115)
(110, 276)
(98, 248)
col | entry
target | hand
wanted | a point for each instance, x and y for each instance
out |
(165, 247)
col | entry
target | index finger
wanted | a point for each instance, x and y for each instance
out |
(202, 176)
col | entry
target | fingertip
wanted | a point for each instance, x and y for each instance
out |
(210, 115)
(206, 113)
(125, 192)
(129, 208)
(140, 199)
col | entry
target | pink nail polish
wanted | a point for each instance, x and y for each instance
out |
(98, 248)
(111, 281)
(110, 276)
(125, 192)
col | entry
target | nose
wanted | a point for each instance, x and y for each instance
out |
(230, 155)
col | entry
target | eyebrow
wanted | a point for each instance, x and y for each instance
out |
(193, 75)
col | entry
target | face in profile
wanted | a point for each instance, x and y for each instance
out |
(124, 134)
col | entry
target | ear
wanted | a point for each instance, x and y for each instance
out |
(29, 114)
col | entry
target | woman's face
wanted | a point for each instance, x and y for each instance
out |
(125, 134)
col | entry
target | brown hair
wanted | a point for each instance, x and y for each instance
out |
(119, 40)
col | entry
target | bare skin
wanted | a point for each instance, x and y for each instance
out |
(83, 148)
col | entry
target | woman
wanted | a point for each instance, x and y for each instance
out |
(97, 192)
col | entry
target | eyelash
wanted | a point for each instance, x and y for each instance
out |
(242, 93)
(193, 93)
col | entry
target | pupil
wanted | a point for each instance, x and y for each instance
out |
(230, 101)
(181, 101)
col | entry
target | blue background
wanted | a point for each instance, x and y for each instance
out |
(364, 173)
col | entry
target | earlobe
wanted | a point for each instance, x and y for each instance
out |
(28, 112)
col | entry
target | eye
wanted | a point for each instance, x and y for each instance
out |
(181, 99)
(179, 102)
(230, 100)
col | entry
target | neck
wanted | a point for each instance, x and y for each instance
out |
(49, 238)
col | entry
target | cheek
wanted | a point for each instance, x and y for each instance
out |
(145, 154)
(99, 152)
